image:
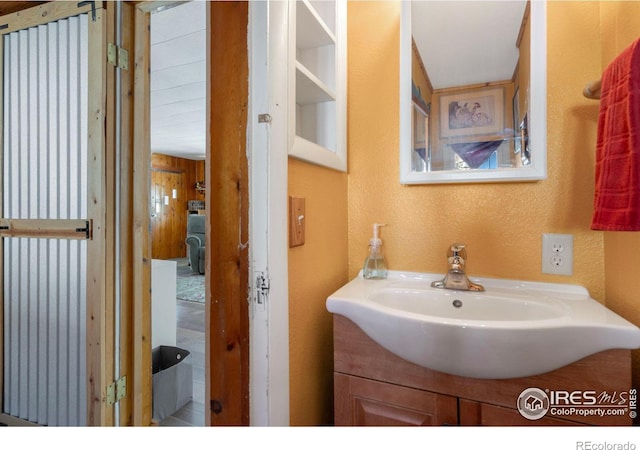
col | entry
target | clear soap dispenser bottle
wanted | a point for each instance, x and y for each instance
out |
(375, 266)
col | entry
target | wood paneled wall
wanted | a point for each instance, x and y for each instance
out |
(169, 222)
(193, 170)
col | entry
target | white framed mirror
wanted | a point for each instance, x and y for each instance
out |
(480, 123)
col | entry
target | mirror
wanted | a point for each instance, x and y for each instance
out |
(477, 124)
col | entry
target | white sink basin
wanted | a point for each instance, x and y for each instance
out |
(513, 329)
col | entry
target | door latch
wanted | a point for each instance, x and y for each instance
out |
(263, 284)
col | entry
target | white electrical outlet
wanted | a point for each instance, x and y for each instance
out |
(557, 254)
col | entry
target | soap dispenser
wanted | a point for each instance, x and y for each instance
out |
(375, 267)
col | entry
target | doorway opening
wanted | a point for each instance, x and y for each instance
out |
(177, 200)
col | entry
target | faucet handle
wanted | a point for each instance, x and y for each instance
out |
(457, 249)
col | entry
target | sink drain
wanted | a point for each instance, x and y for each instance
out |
(457, 303)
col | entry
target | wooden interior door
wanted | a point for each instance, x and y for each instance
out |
(168, 214)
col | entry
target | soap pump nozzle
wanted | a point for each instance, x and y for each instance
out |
(375, 241)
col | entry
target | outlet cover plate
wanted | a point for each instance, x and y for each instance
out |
(557, 254)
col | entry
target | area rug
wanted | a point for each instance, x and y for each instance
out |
(189, 285)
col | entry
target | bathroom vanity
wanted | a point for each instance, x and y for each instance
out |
(375, 387)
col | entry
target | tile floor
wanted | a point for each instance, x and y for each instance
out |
(190, 336)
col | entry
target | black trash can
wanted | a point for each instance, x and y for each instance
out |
(172, 380)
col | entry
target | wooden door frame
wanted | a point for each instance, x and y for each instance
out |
(227, 209)
(227, 310)
(227, 206)
(268, 153)
(136, 407)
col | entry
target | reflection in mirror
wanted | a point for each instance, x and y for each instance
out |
(473, 94)
(420, 128)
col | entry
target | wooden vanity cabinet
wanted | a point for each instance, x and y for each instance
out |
(373, 403)
(372, 386)
(476, 413)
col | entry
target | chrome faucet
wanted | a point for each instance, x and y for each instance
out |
(456, 278)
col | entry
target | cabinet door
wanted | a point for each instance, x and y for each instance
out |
(361, 402)
(476, 413)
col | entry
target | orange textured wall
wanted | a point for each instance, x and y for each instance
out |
(316, 269)
(620, 25)
(502, 224)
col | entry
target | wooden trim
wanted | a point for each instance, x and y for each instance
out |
(41, 14)
(142, 376)
(11, 421)
(166, 169)
(97, 364)
(516, 71)
(414, 47)
(471, 87)
(125, 223)
(110, 215)
(135, 261)
(11, 6)
(523, 24)
(226, 286)
(2, 240)
(46, 228)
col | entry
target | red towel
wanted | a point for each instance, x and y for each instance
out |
(617, 190)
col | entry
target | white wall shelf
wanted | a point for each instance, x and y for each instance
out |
(316, 32)
(317, 117)
(310, 89)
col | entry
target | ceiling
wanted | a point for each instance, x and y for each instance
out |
(467, 42)
(178, 84)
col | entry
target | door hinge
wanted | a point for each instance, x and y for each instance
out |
(117, 56)
(263, 284)
(116, 391)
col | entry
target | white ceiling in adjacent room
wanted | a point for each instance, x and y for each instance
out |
(178, 85)
(467, 42)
